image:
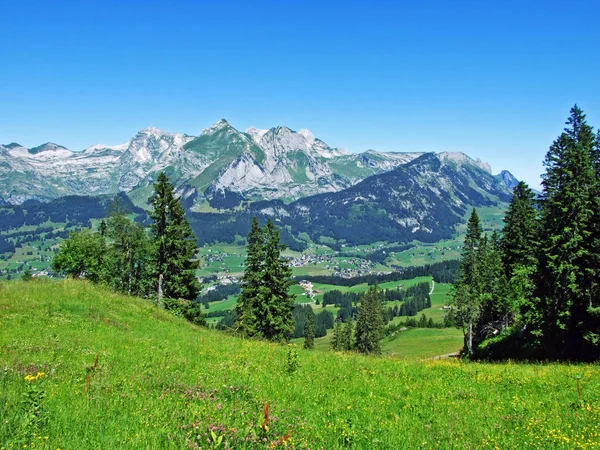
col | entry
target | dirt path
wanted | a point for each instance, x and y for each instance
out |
(432, 287)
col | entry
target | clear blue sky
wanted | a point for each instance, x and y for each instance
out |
(494, 79)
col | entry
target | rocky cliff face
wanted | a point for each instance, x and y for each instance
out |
(258, 164)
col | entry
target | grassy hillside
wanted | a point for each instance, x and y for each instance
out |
(81, 367)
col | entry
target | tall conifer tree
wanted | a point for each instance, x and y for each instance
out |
(369, 323)
(520, 247)
(174, 245)
(309, 332)
(466, 299)
(569, 259)
(265, 306)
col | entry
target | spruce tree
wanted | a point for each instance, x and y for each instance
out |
(246, 319)
(466, 299)
(520, 246)
(127, 253)
(495, 312)
(309, 332)
(346, 342)
(265, 306)
(275, 303)
(336, 337)
(569, 258)
(369, 323)
(174, 245)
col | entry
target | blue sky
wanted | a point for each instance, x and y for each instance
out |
(494, 79)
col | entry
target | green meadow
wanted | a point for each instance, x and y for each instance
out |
(84, 368)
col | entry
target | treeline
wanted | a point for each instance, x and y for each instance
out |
(323, 321)
(6, 246)
(210, 228)
(534, 292)
(221, 292)
(72, 209)
(415, 299)
(442, 272)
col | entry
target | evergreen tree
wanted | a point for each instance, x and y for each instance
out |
(495, 312)
(174, 245)
(466, 299)
(346, 342)
(336, 338)
(520, 246)
(369, 323)
(309, 332)
(570, 255)
(265, 306)
(127, 254)
(246, 319)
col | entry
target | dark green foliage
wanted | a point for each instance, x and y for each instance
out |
(466, 300)
(127, 259)
(73, 209)
(174, 245)
(324, 321)
(6, 246)
(264, 306)
(342, 339)
(520, 248)
(536, 294)
(27, 275)
(221, 292)
(369, 323)
(569, 265)
(309, 332)
(300, 313)
(228, 321)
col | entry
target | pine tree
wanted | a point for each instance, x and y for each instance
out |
(495, 312)
(336, 337)
(265, 305)
(466, 299)
(369, 323)
(309, 332)
(520, 246)
(569, 260)
(246, 320)
(346, 342)
(127, 252)
(275, 303)
(174, 245)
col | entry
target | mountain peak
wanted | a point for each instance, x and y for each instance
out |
(47, 147)
(217, 126)
(461, 158)
(310, 138)
(151, 131)
(509, 180)
(256, 133)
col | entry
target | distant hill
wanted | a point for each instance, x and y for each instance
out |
(422, 200)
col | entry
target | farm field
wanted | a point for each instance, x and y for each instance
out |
(101, 370)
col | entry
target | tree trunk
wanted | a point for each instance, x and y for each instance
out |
(470, 339)
(160, 290)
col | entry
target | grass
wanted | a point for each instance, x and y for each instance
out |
(423, 343)
(81, 368)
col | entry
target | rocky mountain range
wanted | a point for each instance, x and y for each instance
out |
(278, 163)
